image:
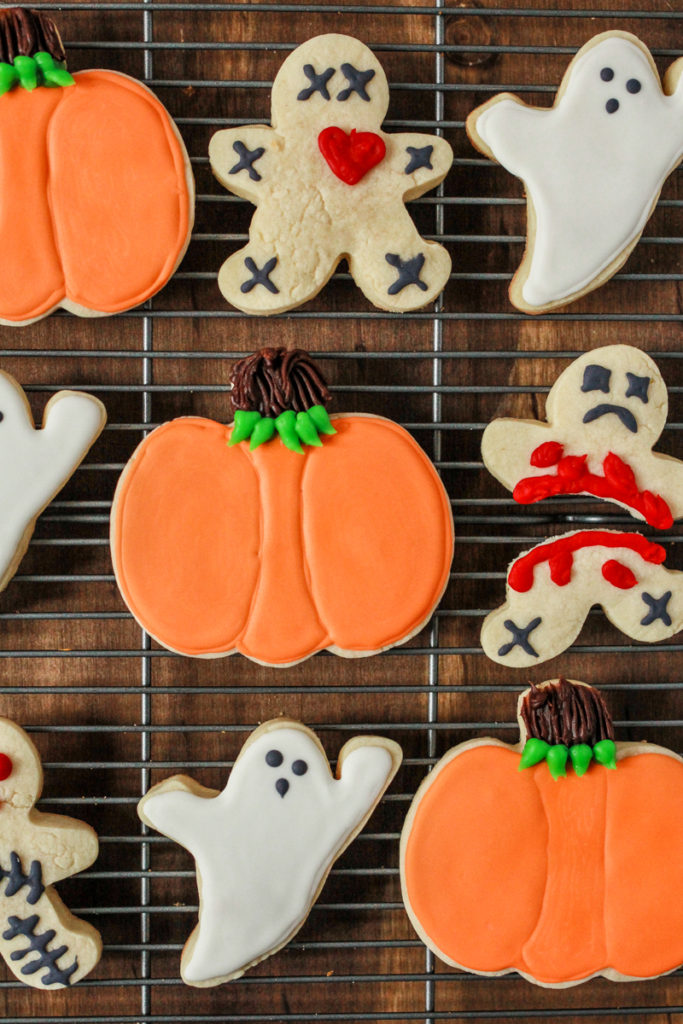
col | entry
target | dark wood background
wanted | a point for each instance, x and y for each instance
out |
(110, 713)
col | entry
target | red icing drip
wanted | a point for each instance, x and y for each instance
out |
(350, 156)
(559, 554)
(574, 477)
(618, 575)
(5, 767)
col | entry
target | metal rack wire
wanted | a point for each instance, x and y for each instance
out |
(112, 713)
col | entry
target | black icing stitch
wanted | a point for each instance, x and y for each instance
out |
(318, 82)
(38, 944)
(637, 387)
(596, 378)
(408, 272)
(419, 158)
(282, 786)
(520, 637)
(357, 81)
(633, 86)
(299, 767)
(247, 159)
(274, 759)
(625, 415)
(607, 74)
(16, 879)
(612, 106)
(657, 608)
(260, 275)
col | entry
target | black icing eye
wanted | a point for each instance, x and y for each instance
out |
(607, 74)
(637, 387)
(274, 759)
(612, 106)
(633, 86)
(299, 767)
(2, 416)
(596, 378)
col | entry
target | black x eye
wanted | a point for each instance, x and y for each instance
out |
(637, 387)
(596, 378)
(357, 81)
(274, 759)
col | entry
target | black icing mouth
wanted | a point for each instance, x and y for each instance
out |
(625, 415)
(282, 785)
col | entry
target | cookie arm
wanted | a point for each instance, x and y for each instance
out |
(244, 160)
(71, 424)
(507, 445)
(665, 476)
(505, 128)
(365, 768)
(63, 845)
(180, 809)
(420, 161)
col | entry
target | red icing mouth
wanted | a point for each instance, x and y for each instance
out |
(351, 156)
(5, 767)
(574, 477)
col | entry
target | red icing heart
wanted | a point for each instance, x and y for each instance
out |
(351, 156)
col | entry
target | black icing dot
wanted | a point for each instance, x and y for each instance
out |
(299, 767)
(274, 758)
(607, 74)
(612, 106)
(2, 416)
(282, 786)
(633, 86)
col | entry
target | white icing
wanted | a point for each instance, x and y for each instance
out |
(592, 176)
(35, 464)
(261, 857)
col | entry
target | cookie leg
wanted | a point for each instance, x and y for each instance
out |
(400, 270)
(531, 628)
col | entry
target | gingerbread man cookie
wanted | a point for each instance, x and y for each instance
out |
(593, 165)
(605, 413)
(551, 589)
(559, 857)
(41, 941)
(329, 184)
(264, 846)
(35, 464)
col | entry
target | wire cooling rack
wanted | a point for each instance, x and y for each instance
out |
(112, 713)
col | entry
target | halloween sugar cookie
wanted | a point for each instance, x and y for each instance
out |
(285, 533)
(559, 857)
(329, 184)
(552, 587)
(593, 165)
(604, 414)
(41, 941)
(35, 464)
(264, 846)
(97, 198)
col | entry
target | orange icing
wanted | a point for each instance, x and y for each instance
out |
(509, 870)
(94, 202)
(276, 554)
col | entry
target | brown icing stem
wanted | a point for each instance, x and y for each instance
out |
(564, 712)
(275, 379)
(24, 33)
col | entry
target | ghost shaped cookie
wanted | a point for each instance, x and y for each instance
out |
(605, 413)
(558, 857)
(35, 464)
(593, 165)
(552, 587)
(97, 198)
(264, 846)
(329, 184)
(41, 941)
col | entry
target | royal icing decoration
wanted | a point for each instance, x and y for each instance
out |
(592, 165)
(35, 464)
(329, 184)
(561, 870)
(552, 587)
(604, 414)
(286, 533)
(264, 846)
(97, 192)
(41, 942)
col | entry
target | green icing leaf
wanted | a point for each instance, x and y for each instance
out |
(605, 752)
(245, 421)
(262, 432)
(318, 413)
(305, 428)
(534, 752)
(286, 428)
(581, 756)
(28, 72)
(557, 760)
(9, 76)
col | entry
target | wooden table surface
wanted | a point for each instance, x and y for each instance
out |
(111, 712)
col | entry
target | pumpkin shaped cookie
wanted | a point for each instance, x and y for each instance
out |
(97, 197)
(285, 533)
(557, 857)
